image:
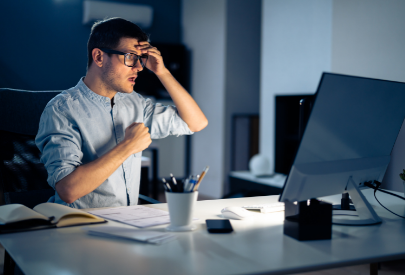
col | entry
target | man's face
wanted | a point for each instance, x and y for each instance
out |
(116, 75)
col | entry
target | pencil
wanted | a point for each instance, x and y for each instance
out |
(200, 178)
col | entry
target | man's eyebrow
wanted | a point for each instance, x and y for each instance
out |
(130, 51)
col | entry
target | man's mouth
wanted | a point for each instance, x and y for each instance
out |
(132, 79)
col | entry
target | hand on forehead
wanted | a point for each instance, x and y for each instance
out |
(143, 45)
(128, 44)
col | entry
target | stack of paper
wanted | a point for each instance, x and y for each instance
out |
(136, 215)
(143, 236)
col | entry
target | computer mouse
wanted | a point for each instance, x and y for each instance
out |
(235, 212)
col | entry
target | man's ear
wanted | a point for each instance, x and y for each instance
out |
(97, 55)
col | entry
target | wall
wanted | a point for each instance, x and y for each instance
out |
(368, 40)
(242, 74)
(224, 40)
(44, 44)
(204, 34)
(296, 49)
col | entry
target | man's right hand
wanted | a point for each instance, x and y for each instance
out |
(137, 137)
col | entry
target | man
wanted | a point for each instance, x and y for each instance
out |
(92, 136)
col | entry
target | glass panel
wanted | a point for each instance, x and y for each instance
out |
(130, 59)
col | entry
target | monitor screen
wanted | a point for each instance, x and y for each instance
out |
(350, 133)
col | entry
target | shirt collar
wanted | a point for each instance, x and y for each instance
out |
(82, 87)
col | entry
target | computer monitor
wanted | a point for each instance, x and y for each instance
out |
(348, 140)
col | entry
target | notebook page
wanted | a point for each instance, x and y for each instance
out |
(60, 211)
(17, 212)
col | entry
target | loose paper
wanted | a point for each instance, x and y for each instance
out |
(130, 234)
(136, 215)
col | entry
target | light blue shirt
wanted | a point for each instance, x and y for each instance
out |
(79, 126)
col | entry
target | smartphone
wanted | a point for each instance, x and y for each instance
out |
(219, 226)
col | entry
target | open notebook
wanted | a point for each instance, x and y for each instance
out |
(17, 217)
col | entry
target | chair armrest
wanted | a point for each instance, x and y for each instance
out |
(146, 200)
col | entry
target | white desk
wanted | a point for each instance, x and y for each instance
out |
(256, 246)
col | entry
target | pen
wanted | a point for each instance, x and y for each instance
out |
(174, 186)
(201, 177)
(173, 178)
(193, 182)
(166, 185)
(186, 184)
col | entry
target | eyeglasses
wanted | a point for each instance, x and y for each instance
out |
(130, 59)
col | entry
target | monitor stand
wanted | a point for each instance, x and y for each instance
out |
(345, 203)
(365, 212)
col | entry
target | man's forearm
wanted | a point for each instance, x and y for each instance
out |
(89, 176)
(188, 109)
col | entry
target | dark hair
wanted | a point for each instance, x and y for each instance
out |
(107, 33)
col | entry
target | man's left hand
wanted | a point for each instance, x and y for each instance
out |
(155, 59)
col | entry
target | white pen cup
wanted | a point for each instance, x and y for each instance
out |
(181, 206)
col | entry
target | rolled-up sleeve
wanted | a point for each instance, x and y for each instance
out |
(60, 144)
(164, 120)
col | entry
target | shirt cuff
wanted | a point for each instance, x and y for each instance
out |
(58, 175)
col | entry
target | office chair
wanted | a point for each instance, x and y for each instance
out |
(23, 178)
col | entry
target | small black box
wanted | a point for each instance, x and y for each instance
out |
(308, 221)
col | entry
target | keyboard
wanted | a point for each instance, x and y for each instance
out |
(266, 208)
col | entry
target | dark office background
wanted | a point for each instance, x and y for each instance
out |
(44, 43)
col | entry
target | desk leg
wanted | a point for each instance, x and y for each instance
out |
(374, 268)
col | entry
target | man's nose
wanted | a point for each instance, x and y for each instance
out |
(138, 66)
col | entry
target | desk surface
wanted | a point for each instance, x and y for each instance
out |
(256, 246)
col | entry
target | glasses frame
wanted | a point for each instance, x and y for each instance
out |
(138, 57)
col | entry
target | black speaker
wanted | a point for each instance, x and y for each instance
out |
(175, 57)
(291, 118)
